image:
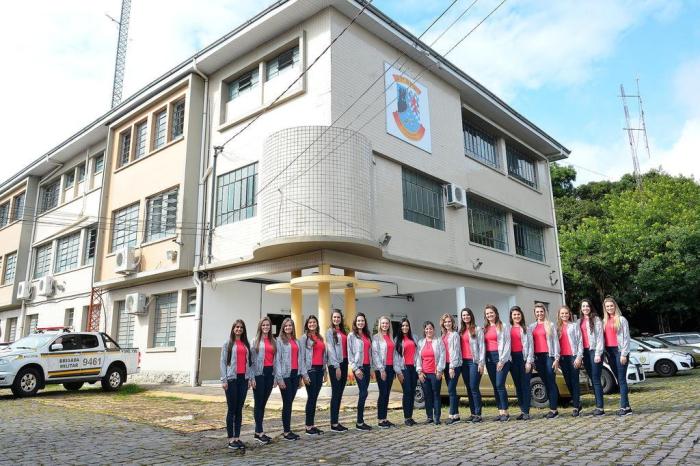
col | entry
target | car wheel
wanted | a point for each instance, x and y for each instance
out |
(419, 398)
(608, 382)
(665, 368)
(26, 382)
(538, 393)
(72, 386)
(113, 379)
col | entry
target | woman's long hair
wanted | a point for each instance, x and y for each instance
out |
(310, 333)
(522, 324)
(259, 334)
(443, 330)
(243, 338)
(498, 324)
(560, 323)
(593, 314)
(398, 338)
(472, 323)
(365, 330)
(547, 323)
(340, 328)
(618, 313)
(283, 336)
(379, 326)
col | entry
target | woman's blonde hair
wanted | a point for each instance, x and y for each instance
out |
(547, 323)
(442, 322)
(379, 325)
(560, 323)
(616, 323)
(283, 336)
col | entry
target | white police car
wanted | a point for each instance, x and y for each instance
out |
(663, 361)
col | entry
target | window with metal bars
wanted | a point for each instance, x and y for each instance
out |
(161, 128)
(67, 253)
(165, 321)
(161, 215)
(141, 132)
(81, 173)
(69, 317)
(422, 199)
(521, 166)
(191, 304)
(69, 179)
(10, 268)
(4, 214)
(42, 262)
(33, 323)
(18, 206)
(90, 245)
(244, 83)
(124, 147)
(284, 61)
(11, 330)
(236, 198)
(529, 239)
(125, 224)
(480, 145)
(49, 196)
(99, 163)
(125, 325)
(177, 127)
(487, 225)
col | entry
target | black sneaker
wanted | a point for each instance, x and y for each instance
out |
(313, 431)
(383, 424)
(362, 426)
(476, 418)
(470, 418)
(437, 422)
(234, 445)
(576, 412)
(428, 421)
(628, 411)
(520, 417)
(551, 415)
(241, 445)
(624, 411)
(390, 424)
(504, 417)
(291, 436)
(262, 439)
(598, 412)
(409, 422)
(497, 418)
(526, 417)
(339, 428)
(450, 421)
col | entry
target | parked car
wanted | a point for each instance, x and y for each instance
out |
(681, 338)
(663, 361)
(659, 343)
(68, 358)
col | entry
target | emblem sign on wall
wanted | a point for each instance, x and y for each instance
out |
(407, 108)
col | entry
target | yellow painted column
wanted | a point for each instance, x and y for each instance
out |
(297, 315)
(350, 304)
(324, 300)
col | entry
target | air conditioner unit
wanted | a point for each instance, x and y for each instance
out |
(135, 304)
(456, 196)
(45, 286)
(126, 261)
(24, 291)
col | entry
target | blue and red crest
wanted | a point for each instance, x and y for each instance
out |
(408, 113)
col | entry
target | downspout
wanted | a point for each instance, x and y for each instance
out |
(556, 236)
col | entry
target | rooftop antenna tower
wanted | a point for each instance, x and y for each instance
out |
(635, 134)
(120, 61)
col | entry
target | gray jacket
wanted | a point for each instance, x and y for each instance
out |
(228, 372)
(379, 354)
(503, 336)
(283, 359)
(455, 349)
(477, 346)
(438, 351)
(528, 345)
(258, 350)
(334, 350)
(573, 331)
(356, 352)
(623, 337)
(552, 339)
(307, 347)
(400, 361)
(596, 339)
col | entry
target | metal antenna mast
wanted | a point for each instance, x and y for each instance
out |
(120, 62)
(633, 139)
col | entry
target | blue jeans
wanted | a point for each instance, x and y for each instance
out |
(312, 390)
(337, 388)
(566, 363)
(472, 379)
(498, 378)
(521, 380)
(362, 386)
(288, 393)
(410, 381)
(594, 371)
(431, 391)
(235, 398)
(543, 364)
(620, 370)
(384, 387)
(261, 393)
(452, 389)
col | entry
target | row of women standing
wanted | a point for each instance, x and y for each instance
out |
(499, 347)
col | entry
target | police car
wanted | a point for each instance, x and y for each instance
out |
(663, 361)
(58, 356)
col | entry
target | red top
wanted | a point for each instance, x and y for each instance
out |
(318, 349)
(343, 343)
(241, 357)
(466, 347)
(610, 333)
(516, 343)
(389, 350)
(447, 347)
(491, 338)
(295, 354)
(584, 333)
(269, 353)
(427, 356)
(539, 335)
(365, 349)
(564, 343)
(409, 351)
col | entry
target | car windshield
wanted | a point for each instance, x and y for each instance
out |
(654, 342)
(692, 339)
(32, 342)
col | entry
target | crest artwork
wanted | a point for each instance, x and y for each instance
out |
(407, 108)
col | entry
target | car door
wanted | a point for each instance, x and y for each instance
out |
(64, 358)
(92, 355)
(642, 354)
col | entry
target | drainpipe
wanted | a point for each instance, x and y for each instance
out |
(213, 199)
(194, 373)
(556, 237)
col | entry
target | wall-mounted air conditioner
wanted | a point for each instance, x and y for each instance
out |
(45, 286)
(136, 304)
(24, 291)
(126, 261)
(456, 196)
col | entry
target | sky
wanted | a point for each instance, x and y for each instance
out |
(559, 63)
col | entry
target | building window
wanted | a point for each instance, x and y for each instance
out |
(90, 245)
(422, 200)
(487, 225)
(33, 323)
(141, 139)
(161, 127)
(236, 198)
(164, 321)
(81, 173)
(124, 147)
(49, 196)
(10, 268)
(521, 166)
(99, 163)
(246, 82)
(125, 224)
(11, 329)
(161, 215)
(67, 253)
(191, 304)
(18, 206)
(42, 263)
(69, 179)
(529, 239)
(480, 145)
(125, 325)
(69, 317)
(284, 61)
(178, 119)
(4, 214)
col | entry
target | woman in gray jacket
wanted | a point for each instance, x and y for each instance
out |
(288, 363)
(453, 363)
(360, 360)
(497, 342)
(385, 360)
(472, 348)
(337, 350)
(616, 332)
(263, 349)
(571, 354)
(546, 344)
(406, 343)
(522, 359)
(313, 369)
(593, 348)
(430, 362)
